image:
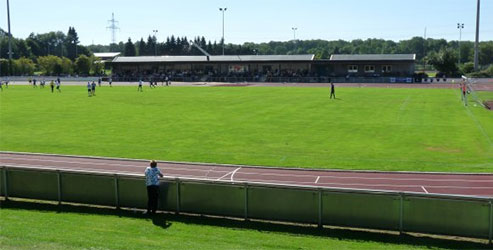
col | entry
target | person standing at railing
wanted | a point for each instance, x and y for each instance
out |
(152, 174)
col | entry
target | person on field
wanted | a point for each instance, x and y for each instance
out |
(110, 81)
(34, 83)
(332, 91)
(89, 92)
(464, 93)
(58, 86)
(140, 86)
(152, 174)
(52, 86)
(1, 85)
(93, 88)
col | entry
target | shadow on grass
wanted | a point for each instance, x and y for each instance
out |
(164, 220)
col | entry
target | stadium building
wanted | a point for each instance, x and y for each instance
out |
(275, 68)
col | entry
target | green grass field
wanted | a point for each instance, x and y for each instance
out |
(44, 226)
(367, 128)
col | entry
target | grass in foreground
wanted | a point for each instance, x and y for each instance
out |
(367, 128)
(45, 226)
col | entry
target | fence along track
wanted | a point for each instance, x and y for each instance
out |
(465, 216)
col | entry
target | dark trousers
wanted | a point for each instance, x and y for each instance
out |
(152, 198)
(332, 94)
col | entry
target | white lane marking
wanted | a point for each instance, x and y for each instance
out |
(228, 173)
(359, 184)
(234, 172)
(114, 164)
(265, 174)
(208, 172)
(424, 189)
(365, 178)
(318, 178)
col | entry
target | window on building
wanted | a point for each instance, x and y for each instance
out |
(352, 69)
(386, 69)
(369, 68)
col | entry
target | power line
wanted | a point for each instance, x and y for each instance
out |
(113, 27)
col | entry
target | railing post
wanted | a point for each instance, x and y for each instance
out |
(59, 186)
(491, 222)
(401, 213)
(5, 184)
(117, 192)
(246, 200)
(320, 208)
(177, 196)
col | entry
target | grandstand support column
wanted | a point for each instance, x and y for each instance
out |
(476, 44)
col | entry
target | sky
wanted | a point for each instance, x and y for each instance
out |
(251, 20)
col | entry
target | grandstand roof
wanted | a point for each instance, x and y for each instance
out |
(107, 54)
(374, 57)
(238, 58)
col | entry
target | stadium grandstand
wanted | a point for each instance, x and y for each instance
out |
(266, 68)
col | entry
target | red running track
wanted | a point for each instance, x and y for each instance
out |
(433, 183)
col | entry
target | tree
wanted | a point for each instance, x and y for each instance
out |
(71, 43)
(83, 65)
(444, 61)
(23, 66)
(129, 48)
(486, 53)
(67, 67)
(142, 47)
(50, 64)
(467, 68)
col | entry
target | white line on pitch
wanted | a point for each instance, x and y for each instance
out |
(234, 172)
(424, 189)
(318, 178)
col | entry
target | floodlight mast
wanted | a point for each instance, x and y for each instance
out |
(476, 44)
(10, 39)
(223, 10)
(460, 26)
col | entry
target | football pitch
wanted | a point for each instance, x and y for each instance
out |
(365, 128)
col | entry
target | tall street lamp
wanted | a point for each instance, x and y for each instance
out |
(294, 33)
(223, 10)
(155, 42)
(460, 26)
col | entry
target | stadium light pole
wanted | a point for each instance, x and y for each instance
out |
(223, 10)
(460, 26)
(476, 44)
(10, 38)
(294, 33)
(155, 42)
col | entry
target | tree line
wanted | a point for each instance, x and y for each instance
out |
(66, 46)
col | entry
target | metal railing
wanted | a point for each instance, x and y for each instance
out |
(466, 216)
